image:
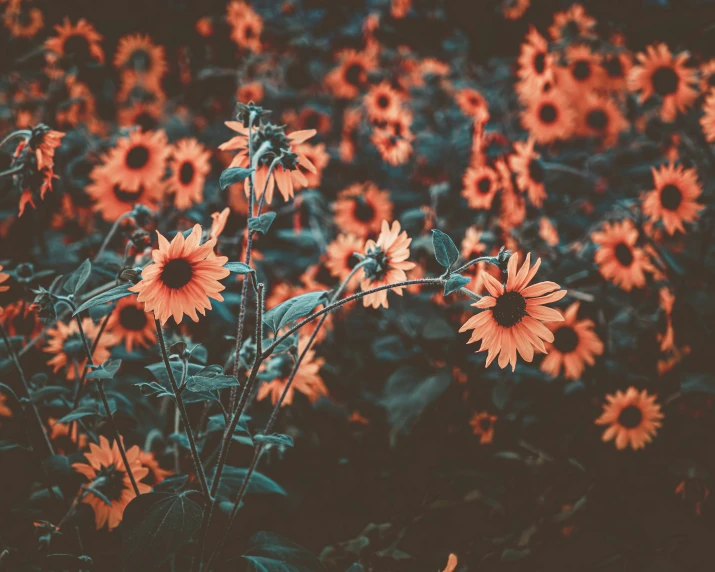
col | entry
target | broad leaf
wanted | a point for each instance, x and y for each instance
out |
(274, 439)
(89, 410)
(76, 280)
(210, 378)
(445, 250)
(454, 283)
(157, 525)
(293, 309)
(105, 371)
(238, 267)
(232, 479)
(116, 293)
(261, 223)
(163, 387)
(274, 553)
(233, 175)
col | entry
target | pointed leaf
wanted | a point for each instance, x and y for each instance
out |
(76, 280)
(210, 378)
(238, 267)
(454, 283)
(109, 296)
(274, 553)
(445, 250)
(233, 175)
(274, 439)
(292, 310)
(262, 223)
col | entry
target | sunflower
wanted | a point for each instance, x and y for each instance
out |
(112, 199)
(707, 76)
(346, 80)
(512, 316)
(514, 9)
(24, 22)
(471, 102)
(219, 222)
(285, 180)
(659, 73)
(147, 115)
(472, 247)
(483, 425)
(138, 160)
(388, 258)
(65, 343)
(19, 318)
(3, 278)
(530, 172)
(572, 25)
(381, 101)
(182, 277)
(600, 117)
(575, 344)
(140, 54)
(536, 65)
(252, 91)
(130, 322)
(633, 418)
(106, 469)
(307, 380)
(74, 44)
(80, 106)
(360, 209)
(246, 25)
(308, 118)
(616, 67)
(148, 460)
(583, 72)
(480, 186)
(673, 200)
(340, 260)
(707, 121)
(66, 436)
(190, 165)
(618, 258)
(394, 149)
(43, 142)
(548, 117)
(318, 157)
(548, 232)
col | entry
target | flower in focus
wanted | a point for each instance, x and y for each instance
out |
(190, 165)
(673, 200)
(182, 277)
(633, 418)
(575, 344)
(659, 73)
(512, 317)
(388, 262)
(130, 322)
(65, 343)
(108, 474)
(619, 259)
(483, 426)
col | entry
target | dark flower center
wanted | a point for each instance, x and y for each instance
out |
(581, 70)
(76, 47)
(186, 173)
(351, 261)
(613, 67)
(624, 254)
(146, 121)
(177, 273)
(510, 309)
(137, 157)
(73, 348)
(127, 196)
(670, 197)
(139, 60)
(354, 73)
(484, 185)
(364, 211)
(571, 29)
(383, 101)
(540, 62)
(249, 32)
(548, 113)
(113, 487)
(631, 417)
(565, 339)
(536, 171)
(711, 80)
(485, 424)
(665, 81)
(132, 318)
(597, 119)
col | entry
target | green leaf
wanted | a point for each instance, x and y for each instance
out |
(7, 389)
(163, 387)
(233, 175)
(76, 280)
(210, 378)
(232, 479)
(274, 553)
(445, 250)
(262, 223)
(157, 525)
(115, 293)
(238, 267)
(454, 283)
(105, 371)
(293, 309)
(274, 439)
(57, 467)
(90, 410)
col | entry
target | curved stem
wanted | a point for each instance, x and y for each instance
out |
(111, 233)
(11, 171)
(20, 133)
(471, 263)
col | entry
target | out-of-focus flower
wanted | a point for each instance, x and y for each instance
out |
(190, 165)
(633, 418)
(673, 200)
(619, 259)
(483, 426)
(360, 209)
(65, 344)
(130, 322)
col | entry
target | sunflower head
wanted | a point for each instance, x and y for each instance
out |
(249, 113)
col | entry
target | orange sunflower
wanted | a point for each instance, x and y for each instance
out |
(600, 117)
(252, 91)
(138, 160)
(673, 200)
(512, 316)
(318, 157)
(393, 148)
(147, 459)
(246, 26)
(130, 322)
(350, 77)
(481, 184)
(583, 72)
(548, 117)
(514, 9)
(147, 115)
(619, 259)
(616, 67)
(112, 199)
(573, 24)
(360, 209)
(3, 278)
(388, 263)
(575, 344)
(472, 247)
(43, 142)
(659, 73)
(190, 165)
(471, 102)
(219, 222)
(139, 53)
(65, 343)
(530, 173)
(105, 466)
(23, 21)
(483, 425)
(382, 101)
(340, 260)
(66, 436)
(536, 65)
(633, 418)
(307, 380)
(74, 44)
(182, 277)
(707, 121)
